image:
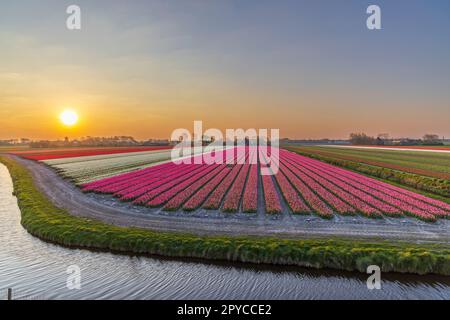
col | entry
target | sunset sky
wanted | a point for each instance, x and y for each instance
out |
(145, 67)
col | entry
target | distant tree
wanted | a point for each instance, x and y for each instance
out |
(361, 139)
(431, 139)
(383, 136)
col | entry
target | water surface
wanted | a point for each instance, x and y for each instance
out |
(37, 270)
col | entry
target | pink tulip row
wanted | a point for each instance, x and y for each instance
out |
(167, 184)
(306, 185)
(250, 198)
(215, 199)
(92, 186)
(294, 201)
(234, 195)
(140, 189)
(121, 188)
(179, 198)
(359, 205)
(380, 205)
(438, 208)
(271, 200)
(200, 196)
(320, 207)
(178, 187)
(438, 212)
(370, 190)
(405, 201)
(335, 202)
(365, 197)
(399, 203)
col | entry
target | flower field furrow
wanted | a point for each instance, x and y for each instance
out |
(319, 207)
(295, 203)
(359, 205)
(215, 199)
(128, 176)
(234, 195)
(181, 197)
(402, 205)
(301, 185)
(250, 197)
(91, 186)
(377, 185)
(148, 178)
(430, 205)
(83, 171)
(165, 185)
(380, 205)
(335, 202)
(271, 200)
(151, 185)
(200, 196)
(403, 202)
(373, 208)
(165, 196)
(125, 177)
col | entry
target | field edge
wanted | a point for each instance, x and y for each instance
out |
(43, 219)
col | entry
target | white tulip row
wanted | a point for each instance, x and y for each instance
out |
(91, 168)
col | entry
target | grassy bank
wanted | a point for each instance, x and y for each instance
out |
(42, 219)
(436, 187)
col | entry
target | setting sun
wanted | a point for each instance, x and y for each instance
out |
(68, 117)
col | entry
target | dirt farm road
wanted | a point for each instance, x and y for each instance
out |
(65, 195)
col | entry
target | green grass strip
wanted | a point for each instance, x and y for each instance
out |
(42, 219)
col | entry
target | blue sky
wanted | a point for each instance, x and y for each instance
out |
(310, 68)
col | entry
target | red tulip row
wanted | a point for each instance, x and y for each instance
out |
(81, 152)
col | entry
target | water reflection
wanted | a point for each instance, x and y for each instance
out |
(35, 269)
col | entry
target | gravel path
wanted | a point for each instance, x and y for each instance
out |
(104, 208)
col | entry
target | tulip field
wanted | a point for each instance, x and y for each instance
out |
(301, 185)
(82, 165)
